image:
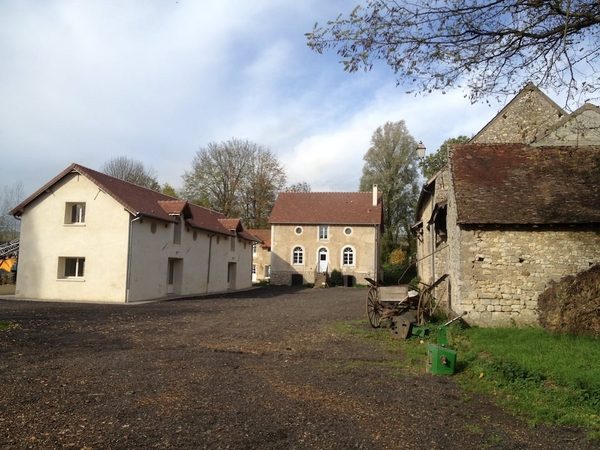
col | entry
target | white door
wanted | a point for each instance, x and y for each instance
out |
(322, 260)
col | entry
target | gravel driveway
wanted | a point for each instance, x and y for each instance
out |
(262, 369)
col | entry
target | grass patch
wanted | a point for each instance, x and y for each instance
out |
(5, 326)
(545, 377)
(541, 376)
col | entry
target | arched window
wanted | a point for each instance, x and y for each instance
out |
(298, 256)
(348, 256)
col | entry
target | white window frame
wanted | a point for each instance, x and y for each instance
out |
(300, 260)
(75, 213)
(254, 269)
(79, 267)
(254, 249)
(323, 232)
(353, 255)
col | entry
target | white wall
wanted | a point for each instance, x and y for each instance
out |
(101, 240)
(151, 252)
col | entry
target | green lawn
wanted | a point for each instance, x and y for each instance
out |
(543, 377)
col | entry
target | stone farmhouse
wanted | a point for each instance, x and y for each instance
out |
(261, 255)
(86, 236)
(314, 233)
(516, 207)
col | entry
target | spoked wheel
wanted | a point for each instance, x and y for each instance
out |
(374, 308)
(426, 306)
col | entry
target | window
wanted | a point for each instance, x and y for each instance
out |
(298, 255)
(298, 230)
(347, 231)
(254, 248)
(267, 271)
(153, 228)
(232, 243)
(177, 231)
(348, 256)
(75, 213)
(253, 269)
(71, 267)
(323, 232)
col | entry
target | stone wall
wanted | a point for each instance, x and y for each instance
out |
(529, 114)
(502, 272)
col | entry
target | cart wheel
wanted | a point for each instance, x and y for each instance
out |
(426, 306)
(373, 308)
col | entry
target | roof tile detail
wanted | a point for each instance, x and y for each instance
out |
(332, 208)
(521, 184)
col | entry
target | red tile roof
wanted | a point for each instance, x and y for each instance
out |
(262, 235)
(520, 184)
(332, 208)
(140, 201)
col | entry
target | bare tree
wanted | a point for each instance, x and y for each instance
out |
(391, 163)
(131, 170)
(303, 186)
(10, 196)
(237, 177)
(491, 47)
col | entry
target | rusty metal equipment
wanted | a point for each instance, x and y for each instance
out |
(402, 305)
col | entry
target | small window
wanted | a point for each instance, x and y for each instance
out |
(267, 271)
(232, 243)
(253, 269)
(75, 213)
(298, 230)
(153, 227)
(177, 231)
(347, 231)
(323, 232)
(348, 256)
(254, 248)
(71, 267)
(298, 255)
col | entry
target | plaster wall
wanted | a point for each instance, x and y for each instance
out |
(101, 240)
(363, 239)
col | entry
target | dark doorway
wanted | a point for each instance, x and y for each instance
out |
(297, 279)
(349, 281)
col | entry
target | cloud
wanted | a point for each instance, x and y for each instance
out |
(154, 80)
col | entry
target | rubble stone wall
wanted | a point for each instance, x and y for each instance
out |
(504, 272)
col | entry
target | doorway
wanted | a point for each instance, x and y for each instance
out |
(322, 260)
(231, 275)
(174, 275)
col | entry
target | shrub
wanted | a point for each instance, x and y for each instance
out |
(398, 274)
(336, 278)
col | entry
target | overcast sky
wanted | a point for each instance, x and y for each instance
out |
(85, 81)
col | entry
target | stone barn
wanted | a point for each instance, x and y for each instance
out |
(517, 207)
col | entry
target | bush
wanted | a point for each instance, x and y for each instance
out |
(398, 274)
(336, 278)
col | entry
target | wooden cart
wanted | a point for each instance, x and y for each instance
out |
(390, 302)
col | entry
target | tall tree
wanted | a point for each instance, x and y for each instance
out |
(433, 163)
(131, 170)
(302, 186)
(491, 47)
(237, 177)
(10, 196)
(391, 163)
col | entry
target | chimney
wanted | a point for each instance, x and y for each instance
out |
(374, 195)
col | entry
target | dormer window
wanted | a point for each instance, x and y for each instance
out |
(75, 213)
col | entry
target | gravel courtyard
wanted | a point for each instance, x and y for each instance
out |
(261, 369)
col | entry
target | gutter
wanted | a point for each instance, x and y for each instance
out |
(129, 248)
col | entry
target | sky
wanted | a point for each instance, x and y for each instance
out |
(157, 80)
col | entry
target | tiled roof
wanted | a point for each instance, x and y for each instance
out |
(521, 184)
(348, 208)
(263, 235)
(232, 224)
(140, 201)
